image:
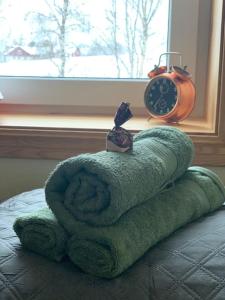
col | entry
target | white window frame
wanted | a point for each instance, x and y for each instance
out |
(90, 93)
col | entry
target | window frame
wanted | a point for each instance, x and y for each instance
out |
(208, 132)
(108, 93)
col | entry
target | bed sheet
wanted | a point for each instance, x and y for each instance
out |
(190, 264)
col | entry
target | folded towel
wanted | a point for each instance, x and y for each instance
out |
(98, 188)
(108, 251)
(40, 232)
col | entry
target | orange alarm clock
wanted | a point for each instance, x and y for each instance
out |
(170, 94)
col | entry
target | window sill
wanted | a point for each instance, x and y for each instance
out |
(57, 136)
(89, 123)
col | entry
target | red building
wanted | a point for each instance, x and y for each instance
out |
(19, 53)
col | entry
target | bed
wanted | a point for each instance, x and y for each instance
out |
(190, 264)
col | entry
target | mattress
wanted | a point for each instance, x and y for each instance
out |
(190, 264)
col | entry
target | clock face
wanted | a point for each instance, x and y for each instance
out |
(161, 96)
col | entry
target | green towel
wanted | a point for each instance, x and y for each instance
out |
(108, 251)
(40, 232)
(98, 188)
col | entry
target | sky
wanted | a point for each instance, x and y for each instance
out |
(15, 11)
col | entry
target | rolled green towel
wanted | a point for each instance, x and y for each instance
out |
(98, 188)
(108, 251)
(40, 232)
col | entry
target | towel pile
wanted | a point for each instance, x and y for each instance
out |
(105, 210)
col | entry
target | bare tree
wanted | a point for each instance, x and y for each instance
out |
(55, 27)
(6, 35)
(147, 10)
(135, 31)
(114, 27)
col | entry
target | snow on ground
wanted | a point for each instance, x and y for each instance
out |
(81, 66)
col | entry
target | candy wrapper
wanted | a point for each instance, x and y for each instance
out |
(119, 139)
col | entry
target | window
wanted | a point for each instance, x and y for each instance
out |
(124, 40)
(66, 38)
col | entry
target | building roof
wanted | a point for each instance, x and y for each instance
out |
(20, 51)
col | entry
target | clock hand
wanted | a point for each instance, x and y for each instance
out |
(160, 97)
(158, 101)
(162, 89)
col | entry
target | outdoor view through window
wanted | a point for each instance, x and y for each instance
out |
(82, 38)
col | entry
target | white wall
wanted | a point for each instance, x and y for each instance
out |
(19, 175)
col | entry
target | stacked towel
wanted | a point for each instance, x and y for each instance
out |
(112, 207)
(98, 188)
(108, 251)
(41, 233)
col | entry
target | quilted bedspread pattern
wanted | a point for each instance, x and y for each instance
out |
(190, 264)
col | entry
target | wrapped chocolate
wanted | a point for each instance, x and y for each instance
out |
(119, 139)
